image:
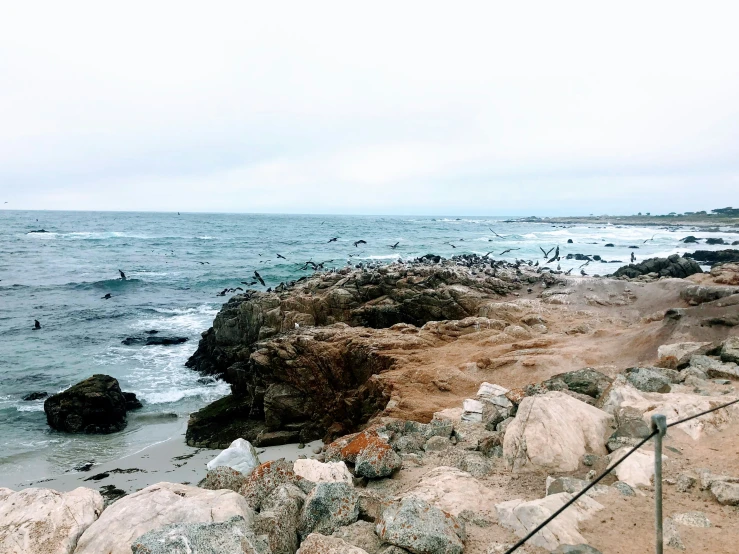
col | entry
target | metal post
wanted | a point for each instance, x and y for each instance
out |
(659, 424)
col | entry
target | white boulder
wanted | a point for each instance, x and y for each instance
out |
(553, 431)
(241, 456)
(44, 521)
(454, 491)
(472, 410)
(522, 517)
(154, 507)
(638, 469)
(322, 472)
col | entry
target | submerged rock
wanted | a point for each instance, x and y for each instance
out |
(95, 405)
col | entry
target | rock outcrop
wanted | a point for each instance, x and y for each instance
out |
(711, 257)
(154, 507)
(44, 520)
(95, 405)
(672, 266)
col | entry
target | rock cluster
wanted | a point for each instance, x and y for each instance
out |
(673, 266)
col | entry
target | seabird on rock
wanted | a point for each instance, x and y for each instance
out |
(360, 241)
(582, 272)
(36, 324)
(106, 297)
(123, 275)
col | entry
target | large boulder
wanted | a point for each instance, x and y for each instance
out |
(95, 405)
(267, 477)
(672, 266)
(328, 507)
(362, 535)
(553, 431)
(316, 543)
(280, 517)
(648, 380)
(523, 516)
(154, 507)
(44, 521)
(223, 477)
(371, 454)
(678, 355)
(240, 455)
(322, 472)
(637, 470)
(414, 524)
(730, 350)
(226, 537)
(454, 491)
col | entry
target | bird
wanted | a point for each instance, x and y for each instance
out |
(509, 250)
(178, 213)
(281, 256)
(106, 297)
(559, 267)
(248, 284)
(450, 244)
(633, 258)
(36, 324)
(556, 252)
(496, 234)
(646, 241)
(203, 263)
(568, 271)
(123, 275)
(360, 241)
(546, 252)
(333, 239)
(259, 278)
(586, 263)
(394, 246)
(582, 272)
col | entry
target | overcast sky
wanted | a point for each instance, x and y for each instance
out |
(394, 108)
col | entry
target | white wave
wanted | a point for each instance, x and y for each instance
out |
(31, 407)
(207, 394)
(530, 235)
(205, 237)
(380, 257)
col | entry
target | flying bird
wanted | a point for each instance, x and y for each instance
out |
(496, 234)
(259, 278)
(203, 263)
(281, 256)
(546, 252)
(394, 246)
(509, 250)
(360, 241)
(123, 275)
(106, 297)
(450, 244)
(568, 271)
(646, 241)
(333, 239)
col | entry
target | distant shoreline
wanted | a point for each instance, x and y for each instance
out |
(706, 221)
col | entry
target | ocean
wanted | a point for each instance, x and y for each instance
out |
(175, 266)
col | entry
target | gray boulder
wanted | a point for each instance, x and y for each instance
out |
(223, 477)
(362, 535)
(328, 507)
(648, 380)
(416, 525)
(726, 491)
(227, 537)
(729, 350)
(315, 543)
(267, 477)
(280, 517)
(437, 444)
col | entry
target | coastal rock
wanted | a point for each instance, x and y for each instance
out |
(153, 340)
(710, 257)
(672, 266)
(95, 405)
(376, 459)
(240, 455)
(328, 507)
(414, 524)
(227, 537)
(38, 395)
(132, 403)
(725, 274)
(553, 431)
(522, 517)
(154, 507)
(648, 380)
(280, 518)
(46, 521)
(678, 355)
(362, 535)
(699, 294)
(637, 470)
(316, 543)
(453, 491)
(322, 472)
(223, 477)
(267, 477)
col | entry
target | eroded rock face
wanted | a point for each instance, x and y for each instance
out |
(154, 507)
(43, 520)
(95, 405)
(553, 431)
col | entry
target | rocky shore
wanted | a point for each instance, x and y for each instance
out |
(459, 403)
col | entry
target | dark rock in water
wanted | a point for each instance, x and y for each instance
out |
(715, 241)
(431, 258)
(98, 477)
(689, 239)
(132, 403)
(710, 257)
(35, 396)
(569, 241)
(674, 266)
(95, 405)
(153, 341)
(609, 245)
(596, 258)
(634, 247)
(152, 332)
(85, 466)
(736, 242)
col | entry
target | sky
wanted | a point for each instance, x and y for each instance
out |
(463, 108)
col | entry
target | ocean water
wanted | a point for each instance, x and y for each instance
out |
(59, 277)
